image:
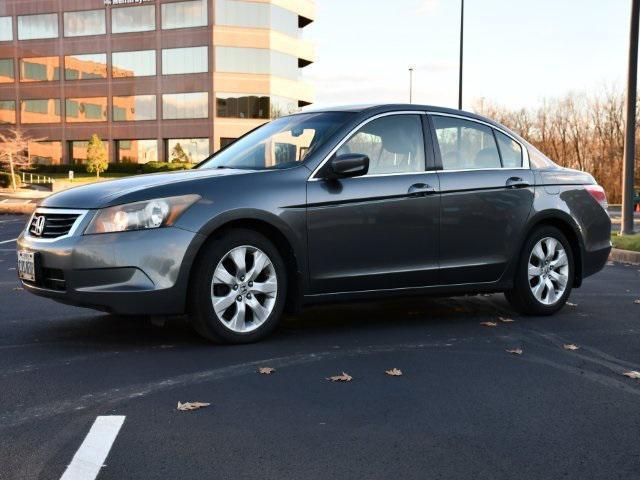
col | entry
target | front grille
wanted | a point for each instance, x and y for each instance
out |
(52, 225)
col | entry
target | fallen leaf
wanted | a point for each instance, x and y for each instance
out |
(569, 304)
(632, 374)
(266, 370)
(506, 320)
(396, 372)
(345, 377)
(514, 351)
(489, 324)
(185, 407)
(570, 346)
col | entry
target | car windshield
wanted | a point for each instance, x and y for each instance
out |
(282, 143)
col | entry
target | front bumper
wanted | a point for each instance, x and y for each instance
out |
(143, 272)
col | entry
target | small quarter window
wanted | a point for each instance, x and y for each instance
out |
(465, 145)
(394, 144)
(510, 150)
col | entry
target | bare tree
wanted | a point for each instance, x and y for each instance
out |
(14, 147)
(577, 131)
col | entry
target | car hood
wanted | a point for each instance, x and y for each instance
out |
(134, 188)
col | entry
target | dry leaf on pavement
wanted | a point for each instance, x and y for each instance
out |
(506, 320)
(396, 372)
(266, 370)
(191, 406)
(345, 377)
(632, 374)
(570, 346)
(514, 351)
(489, 324)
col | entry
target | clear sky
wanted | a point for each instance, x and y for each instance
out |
(517, 52)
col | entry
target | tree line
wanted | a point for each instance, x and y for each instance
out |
(577, 131)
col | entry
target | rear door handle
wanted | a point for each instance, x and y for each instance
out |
(420, 190)
(516, 182)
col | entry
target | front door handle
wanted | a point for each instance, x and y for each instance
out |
(516, 182)
(420, 190)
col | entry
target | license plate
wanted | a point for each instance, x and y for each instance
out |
(26, 266)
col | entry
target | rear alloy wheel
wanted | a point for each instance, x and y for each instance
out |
(238, 288)
(548, 270)
(544, 275)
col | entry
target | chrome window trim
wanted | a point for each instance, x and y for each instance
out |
(312, 177)
(81, 214)
(525, 152)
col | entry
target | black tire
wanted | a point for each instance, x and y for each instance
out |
(202, 314)
(520, 296)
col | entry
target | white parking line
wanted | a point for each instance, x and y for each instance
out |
(8, 241)
(90, 457)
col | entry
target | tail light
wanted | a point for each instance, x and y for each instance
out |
(598, 193)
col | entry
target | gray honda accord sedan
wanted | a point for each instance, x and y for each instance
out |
(325, 205)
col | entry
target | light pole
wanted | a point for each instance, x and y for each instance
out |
(411, 84)
(630, 124)
(461, 50)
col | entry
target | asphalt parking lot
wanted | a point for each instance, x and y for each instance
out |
(463, 408)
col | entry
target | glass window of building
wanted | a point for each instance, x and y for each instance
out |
(135, 107)
(185, 105)
(8, 111)
(7, 74)
(241, 105)
(226, 141)
(256, 60)
(6, 29)
(184, 14)
(87, 22)
(78, 150)
(239, 13)
(40, 69)
(92, 109)
(31, 27)
(45, 153)
(191, 150)
(133, 19)
(92, 65)
(40, 111)
(137, 151)
(185, 60)
(140, 63)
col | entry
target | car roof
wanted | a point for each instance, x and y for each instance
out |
(376, 108)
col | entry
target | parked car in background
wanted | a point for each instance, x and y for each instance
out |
(326, 205)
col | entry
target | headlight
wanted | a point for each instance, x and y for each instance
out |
(159, 212)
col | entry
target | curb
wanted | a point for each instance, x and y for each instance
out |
(624, 256)
(17, 208)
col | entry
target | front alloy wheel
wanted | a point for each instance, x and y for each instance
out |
(244, 289)
(238, 288)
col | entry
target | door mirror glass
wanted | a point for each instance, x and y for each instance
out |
(349, 165)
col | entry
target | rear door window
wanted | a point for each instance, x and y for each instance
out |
(465, 145)
(510, 150)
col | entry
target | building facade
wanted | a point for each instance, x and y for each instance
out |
(156, 80)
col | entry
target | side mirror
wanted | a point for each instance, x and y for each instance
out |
(349, 165)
